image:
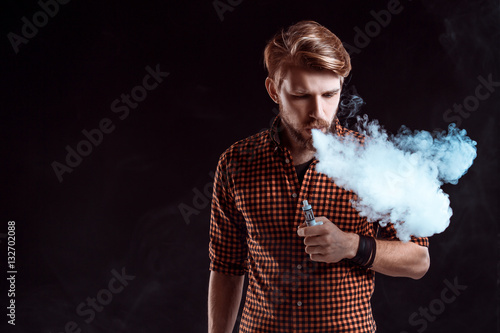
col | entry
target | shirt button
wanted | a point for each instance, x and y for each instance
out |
(294, 195)
(287, 161)
(299, 303)
(299, 266)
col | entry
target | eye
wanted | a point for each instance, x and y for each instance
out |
(329, 95)
(299, 96)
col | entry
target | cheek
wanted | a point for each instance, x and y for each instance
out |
(294, 108)
(334, 101)
(332, 105)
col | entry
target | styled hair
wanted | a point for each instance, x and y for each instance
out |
(305, 44)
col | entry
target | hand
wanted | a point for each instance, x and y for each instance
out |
(327, 243)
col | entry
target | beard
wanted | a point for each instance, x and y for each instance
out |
(296, 130)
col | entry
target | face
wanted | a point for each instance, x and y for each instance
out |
(307, 99)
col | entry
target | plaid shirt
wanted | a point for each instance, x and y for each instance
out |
(256, 209)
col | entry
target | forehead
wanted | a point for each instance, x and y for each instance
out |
(299, 78)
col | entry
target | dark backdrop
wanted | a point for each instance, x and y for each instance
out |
(117, 211)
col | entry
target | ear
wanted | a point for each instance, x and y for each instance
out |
(271, 90)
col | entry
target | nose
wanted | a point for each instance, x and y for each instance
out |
(316, 107)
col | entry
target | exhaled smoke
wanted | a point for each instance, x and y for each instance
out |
(397, 178)
(350, 104)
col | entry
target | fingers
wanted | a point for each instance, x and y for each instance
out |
(303, 230)
(303, 225)
(314, 250)
(318, 257)
(315, 240)
(322, 219)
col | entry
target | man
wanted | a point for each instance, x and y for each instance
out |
(301, 279)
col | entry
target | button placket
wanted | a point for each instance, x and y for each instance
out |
(290, 173)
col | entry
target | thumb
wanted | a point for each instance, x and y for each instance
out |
(303, 225)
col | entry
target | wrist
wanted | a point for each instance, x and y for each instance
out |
(365, 254)
(353, 245)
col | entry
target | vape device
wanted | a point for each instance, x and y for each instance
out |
(308, 213)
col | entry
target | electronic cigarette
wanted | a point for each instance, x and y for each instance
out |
(308, 213)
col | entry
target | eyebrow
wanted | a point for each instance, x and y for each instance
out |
(300, 91)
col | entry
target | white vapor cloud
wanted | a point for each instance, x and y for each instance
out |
(398, 178)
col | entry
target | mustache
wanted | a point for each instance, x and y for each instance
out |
(320, 123)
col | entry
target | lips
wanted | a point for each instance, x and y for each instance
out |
(320, 126)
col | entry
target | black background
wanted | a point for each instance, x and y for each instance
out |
(119, 208)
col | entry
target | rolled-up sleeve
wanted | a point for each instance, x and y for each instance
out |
(228, 249)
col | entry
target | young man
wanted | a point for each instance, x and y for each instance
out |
(301, 279)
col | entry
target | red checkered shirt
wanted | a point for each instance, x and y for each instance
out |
(256, 209)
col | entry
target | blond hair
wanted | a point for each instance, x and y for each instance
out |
(306, 44)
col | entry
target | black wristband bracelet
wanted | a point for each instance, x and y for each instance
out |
(362, 256)
(366, 251)
(373, 252)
